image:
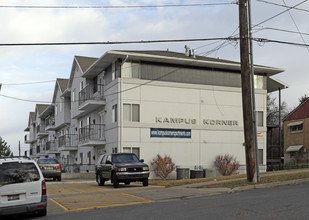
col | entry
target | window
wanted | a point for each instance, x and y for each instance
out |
(115, 113)
(260, 156)
(73, 95)
(61, 105)
(134, 150)
(131, 70)
(258, 82)
(89, 157)
(56, 109)
(113, 72)
(81, 85)
(114, 150)
(296, 128)
(259, 119)
(95, 84)
(131, 112)
(81, 158)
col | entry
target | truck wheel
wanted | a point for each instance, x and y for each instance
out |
(145, 182)
(100, 180)
(115, 181)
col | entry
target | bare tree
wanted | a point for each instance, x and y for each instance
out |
(273, 110)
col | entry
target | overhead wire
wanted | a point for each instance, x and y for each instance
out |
(297, 27)
(290, 8)
(114, 6)
(285, 6)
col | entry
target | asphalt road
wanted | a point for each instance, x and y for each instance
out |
(284, 202)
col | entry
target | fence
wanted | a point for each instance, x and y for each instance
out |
(78, 168)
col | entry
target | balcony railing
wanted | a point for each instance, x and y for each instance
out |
(51, 146)
(38, 149)
(91, 92)
(50, 122)
(41, 130)
(93, 132)
(67, 140)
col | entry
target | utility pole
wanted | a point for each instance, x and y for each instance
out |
(19, 148)
(246, 92)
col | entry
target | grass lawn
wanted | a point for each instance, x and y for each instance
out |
(236, 180)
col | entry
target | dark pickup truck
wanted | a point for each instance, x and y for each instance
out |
(121, 167)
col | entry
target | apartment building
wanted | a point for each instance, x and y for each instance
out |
(157, 102)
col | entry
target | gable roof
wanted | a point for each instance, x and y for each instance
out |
(300, 112)
(60, 85)
(40, 108)
(83, 63)
(31, 119)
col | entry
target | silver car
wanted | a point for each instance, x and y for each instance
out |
(50, 168)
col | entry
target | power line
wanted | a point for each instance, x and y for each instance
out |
(296, 26)
(27, 83)
(280, 13)
(285, 6)
(263, 40)
(112, 42)
(282, 30)
(114, 6)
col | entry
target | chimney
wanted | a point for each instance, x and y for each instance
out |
(187, 51)
(194, 53)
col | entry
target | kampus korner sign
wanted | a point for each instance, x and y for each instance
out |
(192, 121)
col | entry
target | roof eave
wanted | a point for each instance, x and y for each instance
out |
(111, 56)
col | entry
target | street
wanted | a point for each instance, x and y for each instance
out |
(285, 202)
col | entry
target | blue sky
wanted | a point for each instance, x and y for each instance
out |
(46, 63)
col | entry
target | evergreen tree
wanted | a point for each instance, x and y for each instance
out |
(4, 149)
(303, 99)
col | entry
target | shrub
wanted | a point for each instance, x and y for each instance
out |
(227, 165)
(163, 166)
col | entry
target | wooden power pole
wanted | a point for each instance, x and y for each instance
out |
(246, 92)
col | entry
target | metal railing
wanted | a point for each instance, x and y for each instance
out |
(91, 92)
(67, 140)
(78, 168)
(51, 146)
(50, 120)
(91, 132)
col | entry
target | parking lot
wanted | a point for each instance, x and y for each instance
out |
(69, 196)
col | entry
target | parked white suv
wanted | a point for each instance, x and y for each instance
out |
(22, 187)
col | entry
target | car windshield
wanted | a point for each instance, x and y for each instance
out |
(18, 173)
(47, 161)
(125, 158)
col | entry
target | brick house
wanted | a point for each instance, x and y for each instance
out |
(296, 136)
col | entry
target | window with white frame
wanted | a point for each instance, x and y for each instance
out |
(89, 157)
(135, 150)
(259, 118)
(114, 113)
(73, 95)
(61, 105)
(56, 109)
(113, 72)
(131, 70)
(258, 82)
(81, 158)
(297, 128)
(131, 112)
(260, 156)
